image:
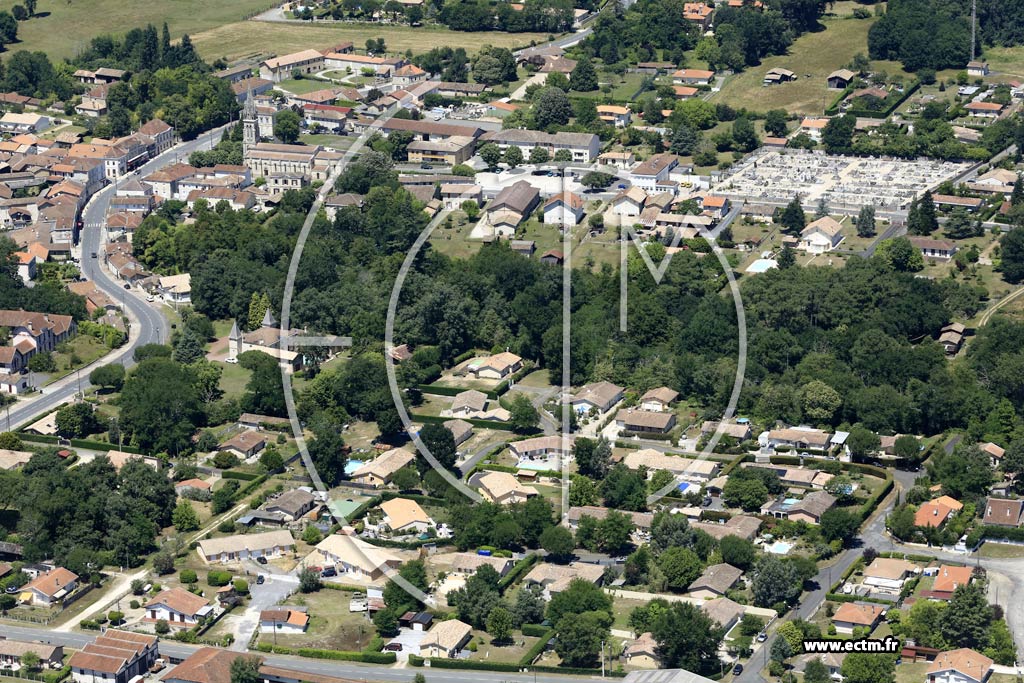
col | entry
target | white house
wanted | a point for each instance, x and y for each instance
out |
(285, 621)
(820, 236)
(50, 588)
(629, 202)
(178, 607)
(658, 400)
(565, 208)
(352, 557)
(446, 639)
(245, 546)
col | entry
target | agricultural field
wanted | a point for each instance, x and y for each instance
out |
(255, 38)
(64, 29)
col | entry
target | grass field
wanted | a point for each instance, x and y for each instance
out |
(813, 56)
(1001, 551)
(67, 27)
(251, 38)
(1006, 61)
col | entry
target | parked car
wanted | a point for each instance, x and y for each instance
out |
(762, 636)
(94, 254)
(329, 571)
(261, 559)
(737, 670)
(393, 647)
(260, 580)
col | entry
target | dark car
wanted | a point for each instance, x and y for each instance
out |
(329, 571)
(393, 647)
(260, 579)
(94, 254)
(127, 286)
(261, 559)
(426, 166)
(737, 670)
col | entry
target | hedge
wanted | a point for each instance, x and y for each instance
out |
(483, 424)
(243, 476)
(419, 498)
(535, 630)
(446, 663)
(841, 597)
(502, 388)
(492, 467)
(439, 390)
(524, 565)
(337, 655)
(535, 651)
(77, 443)
(650, 436)
(1001, 533)
(926, 559)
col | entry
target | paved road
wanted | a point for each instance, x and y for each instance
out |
(353, 671)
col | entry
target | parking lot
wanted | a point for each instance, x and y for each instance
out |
(773, 177)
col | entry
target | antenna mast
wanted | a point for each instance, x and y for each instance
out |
(974, 24)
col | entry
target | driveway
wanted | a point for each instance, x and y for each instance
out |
(410, 641)
(275, 589)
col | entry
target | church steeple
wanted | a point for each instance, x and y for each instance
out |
(250, 124)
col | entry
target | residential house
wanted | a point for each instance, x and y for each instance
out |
(446, 639)
(685, 92)
(467, 564)
(405, 516)
(565, 208)
(995, 181)
(614, 115)
(281, 68)
(176, 289)
(460, 429)
(283, 620)
(162, 134)
(584, 147)
(620, 160)
(599, 396)
(328, 117)
(977, 69)
(114, 657)
(840, 79)
(541, 447)
(642, 521)
(952, 201)
(629, 202)
(642, 653)
(851, 615)
(469, 403)
(723, 611)
(178, 607)
(555, 578)
(497, 366)
(512, 206)
(812, 127)
(808, 509)
(645, 421)
(12, 651)
(377, 66)
(888, 574)
(652, 174)
(980, 110)
(552, 257)
(502, 488)
(659, 399)
(687, 468)
(736, 430)
(698, 13)
(693, 77)
(294, 504)
(715, 581)
(800, 438)
(1004, 512)
(935, 513)
(50, 588)
(947, 580)
(454, 194)
(244, 444)
(378, 472)
(940, 250)
(353, 558)
(951, 336)
(185, 486)
(821, 235)
(245, 546)
(714, 206)
(960, 666)
(32, 333)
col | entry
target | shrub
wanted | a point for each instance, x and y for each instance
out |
(162, 627)
(188, 576)
(217, 578)
(241, 586)
(134, 604)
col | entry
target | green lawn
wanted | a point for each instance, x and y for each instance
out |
(1001, 551)
(234, 379)
(302, 86)
(339, 142)
(252, 38)
(66, 28)
(81, 351)
(623, 87)
(812, 56)
(331, 625)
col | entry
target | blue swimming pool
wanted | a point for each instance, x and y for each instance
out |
(536, 465)
(352, 465)
(761, 265)
(779, 548)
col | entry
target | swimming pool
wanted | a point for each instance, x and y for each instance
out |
(537, 465)
(790, 501)
(352, 465)
(684, 487)
(779, 548)
(761, 265)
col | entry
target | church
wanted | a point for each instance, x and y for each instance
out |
(283, 167)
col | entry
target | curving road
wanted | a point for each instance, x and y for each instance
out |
(147, 324)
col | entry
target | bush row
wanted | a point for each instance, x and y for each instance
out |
(337, 655)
